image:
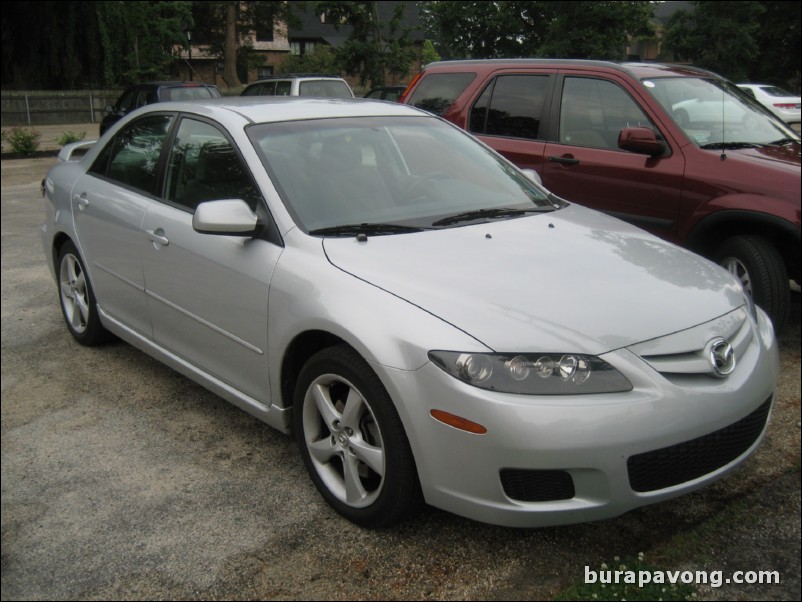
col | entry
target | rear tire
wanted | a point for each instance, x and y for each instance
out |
(759, 267)
(78, 299)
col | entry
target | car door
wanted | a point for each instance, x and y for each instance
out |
(109, 203)
(208, 293)
(583, 163)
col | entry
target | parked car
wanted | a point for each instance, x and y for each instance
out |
(389, 93)
(147, 93)
(783, 104)
(430, 322)
(325, 86)
(676, 150)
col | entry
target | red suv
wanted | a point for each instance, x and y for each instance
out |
(677, 150)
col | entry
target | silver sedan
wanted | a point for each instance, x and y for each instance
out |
(431, 323)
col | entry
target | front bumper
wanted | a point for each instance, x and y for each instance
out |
(566, 459)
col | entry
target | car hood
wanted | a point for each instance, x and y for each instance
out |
(572, 280)
(786, 157)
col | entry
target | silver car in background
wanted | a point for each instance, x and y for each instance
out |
(431, 324)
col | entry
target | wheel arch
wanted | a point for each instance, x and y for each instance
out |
(297, 353)
(711, 231)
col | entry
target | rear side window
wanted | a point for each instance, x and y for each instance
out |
(132, 157)
(512, 105)
(436, 92)
(325, 88)
(263, 89)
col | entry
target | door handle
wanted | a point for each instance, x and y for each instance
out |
(564, 160)
(158, 237)
(81, 200)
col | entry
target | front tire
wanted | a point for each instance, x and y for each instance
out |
(759, 267)
(78, 299)
(352, 440)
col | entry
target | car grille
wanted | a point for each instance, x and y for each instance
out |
(686, 461)
(681, 355)
(537, 485)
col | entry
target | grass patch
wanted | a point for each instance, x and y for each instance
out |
(629, 579)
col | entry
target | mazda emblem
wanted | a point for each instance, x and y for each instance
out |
(721, 356)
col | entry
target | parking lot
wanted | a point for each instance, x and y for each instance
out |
(123, 480)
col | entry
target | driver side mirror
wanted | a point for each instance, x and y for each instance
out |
(642, 141)
(230, 217)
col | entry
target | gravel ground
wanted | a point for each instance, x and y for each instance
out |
(123, 480)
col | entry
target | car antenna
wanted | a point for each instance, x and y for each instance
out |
(723, 128)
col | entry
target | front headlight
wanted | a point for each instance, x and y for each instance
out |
(533, 373)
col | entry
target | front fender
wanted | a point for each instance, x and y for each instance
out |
(383, 328)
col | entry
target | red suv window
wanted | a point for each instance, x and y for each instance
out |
(438, 91)
(512, 105)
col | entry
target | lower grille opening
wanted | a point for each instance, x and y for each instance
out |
(686, 461)
(537, 485)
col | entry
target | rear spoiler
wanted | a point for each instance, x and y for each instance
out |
(75, 150)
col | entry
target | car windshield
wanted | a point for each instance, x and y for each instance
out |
(403, 172)
(715, 113)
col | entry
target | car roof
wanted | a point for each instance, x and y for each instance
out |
(187, 84)
(266, 109)
(637, 70)
(271, 78)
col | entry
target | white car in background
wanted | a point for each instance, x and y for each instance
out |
(783, 104)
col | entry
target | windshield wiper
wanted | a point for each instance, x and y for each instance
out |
(731, 145)
(365, 228)
(468, 216)
(784, 141)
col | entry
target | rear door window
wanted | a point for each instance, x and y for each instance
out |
(512, 105)
(438, 91)
(132, 157)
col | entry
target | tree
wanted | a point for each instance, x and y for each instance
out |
(375, 46)
(76, 44)
(755, 41)
(320, 60)
(592, 30)
(528, 29)
(225, 28)
(720, 36)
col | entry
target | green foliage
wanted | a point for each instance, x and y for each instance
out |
(429, 54)
(375, 46)
(744, 41)
(70, 44)
(629, 570)
(592, 30)
(720, 36)
(22, 141)
(69, 137)
(596, 29)
(322, 60)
